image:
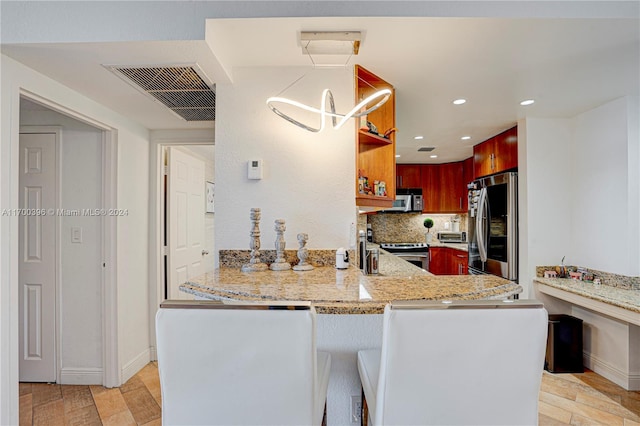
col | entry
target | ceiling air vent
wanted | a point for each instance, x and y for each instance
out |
(426, 148)
(182, 89)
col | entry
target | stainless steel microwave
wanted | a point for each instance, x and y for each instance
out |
(407, 200)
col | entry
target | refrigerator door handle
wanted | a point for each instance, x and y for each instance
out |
(480, 224)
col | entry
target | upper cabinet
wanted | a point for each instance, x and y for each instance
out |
(453, 189)
(498, 154)
(444, 186)
(408, 176)
(375, 154)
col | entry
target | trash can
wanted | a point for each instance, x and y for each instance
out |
(564, 345)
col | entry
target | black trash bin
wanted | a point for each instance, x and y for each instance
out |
(564, 345)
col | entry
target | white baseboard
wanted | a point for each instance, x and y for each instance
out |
(154, 353)
(81, 376)
(634, 382)
(621, 378)
(135, 365)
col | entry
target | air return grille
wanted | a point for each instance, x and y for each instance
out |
(179, 88)
(426, 148)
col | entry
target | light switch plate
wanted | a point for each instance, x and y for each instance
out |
(76, 235)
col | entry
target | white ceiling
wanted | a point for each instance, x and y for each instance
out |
(567, 65)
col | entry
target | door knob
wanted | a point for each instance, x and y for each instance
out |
(205, 252)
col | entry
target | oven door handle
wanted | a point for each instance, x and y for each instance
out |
(413, 256)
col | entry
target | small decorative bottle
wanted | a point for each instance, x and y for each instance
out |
(280, 263)
(303, 253)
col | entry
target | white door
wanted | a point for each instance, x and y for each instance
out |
(185, 219)
(37, 267)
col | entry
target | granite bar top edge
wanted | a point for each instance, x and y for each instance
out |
(333, 291)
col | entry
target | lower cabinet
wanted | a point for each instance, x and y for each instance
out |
(459, 262)
(448, 261)
(438, 260)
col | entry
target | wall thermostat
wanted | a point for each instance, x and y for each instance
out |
(255, 169)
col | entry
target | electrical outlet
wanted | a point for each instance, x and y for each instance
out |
(356, 409)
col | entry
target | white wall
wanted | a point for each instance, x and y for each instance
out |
(633, 170)
(579, 190)
(308, 177)
(132, 230)
(544, 186)
(81, 298)
(600, 194)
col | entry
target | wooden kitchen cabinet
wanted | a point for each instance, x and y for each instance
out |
(438, 258)
(507, 150)
(452, 188)
(408, 176)
(448, 261)
(496, 155)
(459, 262)
(444, 186)
(375, 155)
(469, 175)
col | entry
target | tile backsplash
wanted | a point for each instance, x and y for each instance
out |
(408, 227)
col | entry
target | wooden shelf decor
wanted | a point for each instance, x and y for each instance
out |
(375, 155)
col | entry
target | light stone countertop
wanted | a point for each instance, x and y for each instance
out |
(334, 291)
(391, 265)
(620, 297)
(457, 246)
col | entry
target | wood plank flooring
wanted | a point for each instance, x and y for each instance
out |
(565, 399)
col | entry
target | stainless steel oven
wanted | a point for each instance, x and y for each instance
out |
(414, 253)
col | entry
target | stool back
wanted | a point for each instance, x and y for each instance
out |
(236, 364)
(461, 363)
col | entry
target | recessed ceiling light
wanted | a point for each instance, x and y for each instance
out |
(418, 137)
(459, 101)
(465, 138)
(397, 155)
(433, 156)
(527, 102)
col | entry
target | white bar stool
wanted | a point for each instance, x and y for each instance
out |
(240, 364)
(456, 363)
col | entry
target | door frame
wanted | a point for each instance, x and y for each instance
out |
(160, 140)
(111, 369)
(57, 130)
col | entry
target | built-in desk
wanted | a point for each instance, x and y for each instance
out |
(619, 303)
(611, 325)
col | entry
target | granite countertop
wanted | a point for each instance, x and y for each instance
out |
(620, 297)
(457, 246)
(334, 291)
(391, 265)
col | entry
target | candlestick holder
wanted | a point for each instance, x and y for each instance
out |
(280, 263)
(303, 254)
(254, 264)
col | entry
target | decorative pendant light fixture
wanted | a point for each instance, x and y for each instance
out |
(332, 43)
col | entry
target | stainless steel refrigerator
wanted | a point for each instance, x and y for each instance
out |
(493, 226)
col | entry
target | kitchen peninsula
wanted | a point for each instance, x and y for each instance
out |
(334, 291)
(349, 306)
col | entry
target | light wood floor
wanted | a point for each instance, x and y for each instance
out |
(575, 399)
